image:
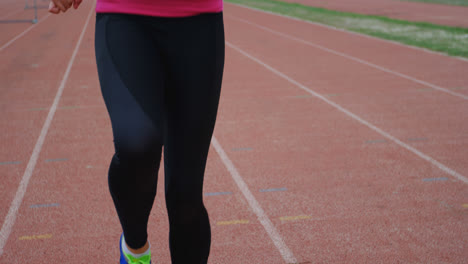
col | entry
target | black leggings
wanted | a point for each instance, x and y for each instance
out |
(161, 81)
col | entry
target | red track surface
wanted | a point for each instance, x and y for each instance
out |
(352, 195)
(450, 15)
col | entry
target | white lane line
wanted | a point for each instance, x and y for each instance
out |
(351, 32)
(355, 117)
(257, 209)
(433, 86)
(23, 33)
(16, 203)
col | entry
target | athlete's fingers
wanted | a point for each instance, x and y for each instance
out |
(76, 3)
(53, 8)
(59, 5)
(67, 3)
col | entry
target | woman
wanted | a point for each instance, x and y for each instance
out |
(160, 66)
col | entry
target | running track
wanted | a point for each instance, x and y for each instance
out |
(450, 15)
(329, 147)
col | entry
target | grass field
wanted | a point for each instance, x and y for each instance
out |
(449, 40)
(444, 2)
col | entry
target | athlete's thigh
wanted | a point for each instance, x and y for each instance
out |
(131, 78)
(196, 63)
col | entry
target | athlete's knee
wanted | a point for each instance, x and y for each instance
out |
(184, 207)
(137, 147)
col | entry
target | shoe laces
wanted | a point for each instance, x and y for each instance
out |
(141, 260)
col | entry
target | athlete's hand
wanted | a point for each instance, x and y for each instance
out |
(57, 6)
(76, 3)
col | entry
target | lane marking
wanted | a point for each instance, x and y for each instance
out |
(23, 33)
(351, 32)
(217, 193)
(15, 204)
(34, 237)
(435, 179)
(96, 167)
(256, 208)
(444, 204)
(10, 162)
(273, 190)
(67, 107)
(376, 141)
(300, 96)
(54, 160)
(37, 109)
(17, 21)
(38, 7)
(293, 218)
(44, 205)
(417, 139)
(233, 222)
(355, 117)
(344, 55)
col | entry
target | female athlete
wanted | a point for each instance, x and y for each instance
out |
(160, 66)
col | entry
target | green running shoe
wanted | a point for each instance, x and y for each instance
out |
(129, 259)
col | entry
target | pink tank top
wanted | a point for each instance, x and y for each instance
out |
(162, 8)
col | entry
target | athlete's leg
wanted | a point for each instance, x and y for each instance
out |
(132, 84)
(195, 59)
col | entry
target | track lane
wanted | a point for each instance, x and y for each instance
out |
(392, 104)
(14, 204)
(375, 193)
(400, 58)
(13, 31)
(350, 190)
(7, 7)
(30, 77)
(355, 59)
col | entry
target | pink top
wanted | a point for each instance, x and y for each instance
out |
(161, 8)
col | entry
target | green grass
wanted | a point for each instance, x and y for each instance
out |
(444, 2)
(449, 40)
